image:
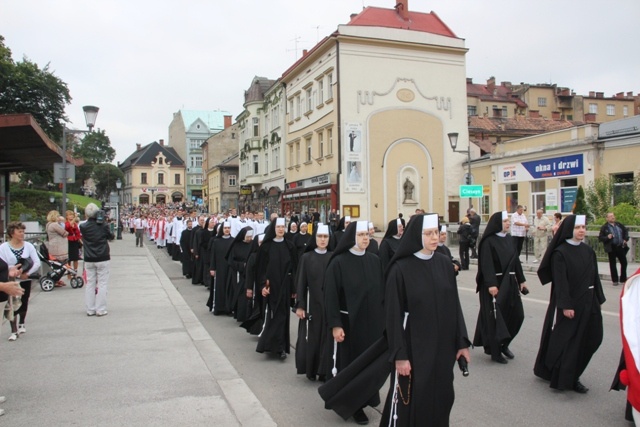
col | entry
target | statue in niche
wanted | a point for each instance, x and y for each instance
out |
(408, 190)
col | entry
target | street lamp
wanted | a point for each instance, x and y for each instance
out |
(119, 233)
(453, 140)
(90, 115)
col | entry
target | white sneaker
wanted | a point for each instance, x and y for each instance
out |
(1, 412)
(534, 261)
(21, 329)
(101, 313)
(13, 336)
(3, 399)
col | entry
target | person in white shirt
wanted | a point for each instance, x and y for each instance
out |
(139, 230)
(541, 228)
(519, 227)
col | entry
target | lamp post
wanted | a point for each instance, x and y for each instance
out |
(118, 223)
(453, 140)
(90, 115)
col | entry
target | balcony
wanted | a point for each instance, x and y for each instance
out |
(253, 180)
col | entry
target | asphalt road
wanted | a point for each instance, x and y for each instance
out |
(493, 394)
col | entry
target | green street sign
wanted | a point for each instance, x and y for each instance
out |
(467, 191)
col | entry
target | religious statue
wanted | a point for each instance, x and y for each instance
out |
(408, 190)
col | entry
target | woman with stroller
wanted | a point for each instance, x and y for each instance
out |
(57, 244)
(74, 239)
(18, 251)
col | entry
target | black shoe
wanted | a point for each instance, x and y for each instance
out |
(507, 353)
(578, 387)
(360, 417)
(500, 359)
(283, 355)
(311, 377)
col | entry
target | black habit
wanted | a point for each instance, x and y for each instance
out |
(217, 302)
(184, 248)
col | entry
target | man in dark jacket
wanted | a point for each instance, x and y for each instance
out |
(474, 221)
(615, 236)
(95, 242)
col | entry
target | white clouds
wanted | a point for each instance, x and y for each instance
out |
(141, 60)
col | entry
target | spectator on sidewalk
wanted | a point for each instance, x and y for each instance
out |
(95, 241)
(7, 289)
(557, 219)
(73, 239)
(465, 232)
(17, 251)
(519, 227)
(541, 228)
(474, 221)
(614, 236)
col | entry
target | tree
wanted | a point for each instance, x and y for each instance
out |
(105, 176)
(599, 195)
(580, 205)
(26, 88)
(95, 148)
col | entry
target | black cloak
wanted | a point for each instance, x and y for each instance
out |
(218, 302)
(498, 265)
(254, 322)
(237, 259)
(389, 243)
(567, 345)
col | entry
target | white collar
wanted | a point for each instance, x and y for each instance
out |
(573, 242)
(501, 234)
(422, 255)
(357, 252)
(278, 239)
(395, 236)
(321, 251)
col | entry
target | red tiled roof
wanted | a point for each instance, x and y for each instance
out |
(389, 18)
(517, 125)
(499, 93)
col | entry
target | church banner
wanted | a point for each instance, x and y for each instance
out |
(353, 158)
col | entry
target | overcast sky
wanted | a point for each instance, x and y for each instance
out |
(142, 60)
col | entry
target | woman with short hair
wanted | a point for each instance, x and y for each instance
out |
(57, 237)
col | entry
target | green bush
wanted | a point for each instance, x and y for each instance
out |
(35, 204)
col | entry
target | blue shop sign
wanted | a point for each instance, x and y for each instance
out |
(555, 167)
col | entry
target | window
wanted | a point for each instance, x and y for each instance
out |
(196, 161)
(159, 160)
(267, 123)
(542, 102)
(538, 195)
(275, 117)
(161, 178)
(611, 110)
(504, 111)
(176, 179)
(330, 141)
(266, 162)
(511, 194)
(309, 100)
(593, 108)
(195, 143)
(143, 178)
(298, 106)
(329, 86)
(256, 126)
(307, 144)
(291, 159)
(232, 181)
(320, 144)
(625, 111)
(276, 158)
(320, 91)
(568, 193)
(298, 153)
(623, 188)
(256, 166)
(291, 113)
(471, 110)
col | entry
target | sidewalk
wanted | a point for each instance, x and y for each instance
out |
(149, 362)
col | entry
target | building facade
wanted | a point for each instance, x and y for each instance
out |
(261, 127)
(368, 113)
(218, 150)
(153, 174)
(223, 185)
(188, 130)
(545, 171)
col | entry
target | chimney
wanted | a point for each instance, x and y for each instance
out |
(534, 114)
(599, 94)
(590, 117)
(353, 15)
(162, 142)
(592, 94)
(138, 147)
(555, 115)
(304, 52)
(491, 84)
(402, 7)
(227, 121)
(469, 80)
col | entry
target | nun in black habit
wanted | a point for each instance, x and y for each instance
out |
(205, 250)
(302, 239)
(443, 249)
(373, 247)
(342, 226)
(390, 241)
(572, 329)
(253, 324)
(499, 281)
(425, 328)
(237, 258)
(219, 270)
(200, 242)
(354, 298)
(275, 270)
(186, 257)
(312, 329)
(292, 231)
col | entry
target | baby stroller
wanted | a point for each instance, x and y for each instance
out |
(58, 270)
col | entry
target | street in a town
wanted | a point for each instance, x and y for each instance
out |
(160, 358)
